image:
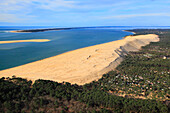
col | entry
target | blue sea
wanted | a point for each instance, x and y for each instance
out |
(15, 54)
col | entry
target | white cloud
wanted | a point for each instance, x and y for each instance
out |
(53, 4)
(14, 5)
(135, 15)
(8, 18)
(12, 18)
(20, 10)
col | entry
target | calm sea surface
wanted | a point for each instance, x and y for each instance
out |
(16, 54)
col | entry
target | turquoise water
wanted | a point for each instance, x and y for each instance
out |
(16, 54)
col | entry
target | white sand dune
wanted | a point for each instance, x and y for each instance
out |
(18, 41)
(82, 65)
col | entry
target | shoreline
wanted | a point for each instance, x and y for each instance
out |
(83, 65)
(19, 41)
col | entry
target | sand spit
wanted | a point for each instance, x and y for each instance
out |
(18, 41)
(82, 65)
(18, 31)
(14, 31)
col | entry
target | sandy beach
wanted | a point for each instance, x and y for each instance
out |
(18, 31)
(18, 41)
(82, 65)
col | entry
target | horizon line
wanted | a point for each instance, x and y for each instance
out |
(81, 26)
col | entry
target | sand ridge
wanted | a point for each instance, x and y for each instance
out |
(82, 65)
(18, 41)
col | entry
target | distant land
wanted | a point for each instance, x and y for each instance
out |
(69, 28)
(55, 29)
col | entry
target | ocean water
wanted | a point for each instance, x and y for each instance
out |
(15, 54)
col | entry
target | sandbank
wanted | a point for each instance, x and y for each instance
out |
(82, 65)
(18, 41)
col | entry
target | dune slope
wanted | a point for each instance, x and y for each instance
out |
(82, 65)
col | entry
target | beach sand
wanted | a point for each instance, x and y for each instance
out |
(82, 65)
(18, 31)
(18, 41)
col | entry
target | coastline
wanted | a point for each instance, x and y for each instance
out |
(82, 65)
(19, 41)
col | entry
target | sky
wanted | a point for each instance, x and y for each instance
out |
(74, 13)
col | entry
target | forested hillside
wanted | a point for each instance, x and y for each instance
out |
(139, 84)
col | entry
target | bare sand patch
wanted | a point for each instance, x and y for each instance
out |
(82, 65)
(18, 41)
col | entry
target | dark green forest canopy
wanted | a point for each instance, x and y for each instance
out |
(142, 74)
